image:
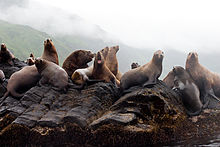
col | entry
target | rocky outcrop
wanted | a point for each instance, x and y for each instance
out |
(98, 115)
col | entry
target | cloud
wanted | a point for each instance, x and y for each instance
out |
(47, 19)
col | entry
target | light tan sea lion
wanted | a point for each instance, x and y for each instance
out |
(77, 60)
(144, 75)
(22, 80)
(189, 91)
(207, 81)
(5, 55)
(52, 74)
(50, 52)
(101, 71)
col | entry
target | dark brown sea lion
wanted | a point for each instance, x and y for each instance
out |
(22, 80)
(50, 52)
(134, 65)
(207, 81)
(52, 74)
(101, 71)
(5, 55)
(144, 75)
(30, 60)
(169, 79)
(189, 91)
(77, 60)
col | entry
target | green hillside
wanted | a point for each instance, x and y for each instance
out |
(23, 40)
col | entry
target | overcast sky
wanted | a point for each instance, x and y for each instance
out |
(185, 25)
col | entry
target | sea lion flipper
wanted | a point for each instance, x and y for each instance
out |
(149, 84)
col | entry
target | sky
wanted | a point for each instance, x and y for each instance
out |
(176, 24)
(185, 25)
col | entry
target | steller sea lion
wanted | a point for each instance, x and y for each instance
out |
(52, 73)
(189, 91)
(169, 79)
(22, 80)
(30, 60)
(134, 65)
(207, 81)
(77, 60)
(144, 75)
(101, 71)
(5, 55)
(50, 52)
(2, 76)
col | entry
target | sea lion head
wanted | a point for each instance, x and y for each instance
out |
(116, 48)
(77, 78)
(105, 51)
(30, 61)
(48, 43)
(180, 73)
(31, 55)
(40, 64)
(192, 57)
(83, 56)
(134, 65)
(178, 70)
(158, 56)
(3, 47)
(99, 59)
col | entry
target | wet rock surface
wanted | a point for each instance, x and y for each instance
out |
(98, 115)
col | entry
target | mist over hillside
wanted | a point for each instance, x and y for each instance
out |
(70, 32)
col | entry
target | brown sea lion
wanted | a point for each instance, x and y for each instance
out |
(77, 60)
(5, 55)
(22, 80)
(134, 65)
(30, 60)
(189, 91)
(169, 79)
(101, 71)
(52, 74)
(207, 81)
(111, 60)
(144, 75)
(105, 51)
(50, 52)
(2, 76)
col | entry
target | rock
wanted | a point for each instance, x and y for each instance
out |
(98, 115)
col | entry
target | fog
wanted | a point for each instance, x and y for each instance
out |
(49, 19)
(184, 26)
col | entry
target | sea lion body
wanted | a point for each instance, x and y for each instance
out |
(169, 79)
(144, 75)
(5, 55)
(207, 81)
(101, 71)
(77, 60)
(50, 52)
(52, 73)
(22, 80)
(2, 76)
(80, 76)
(189, 91)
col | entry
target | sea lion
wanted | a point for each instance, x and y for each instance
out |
(189, 91)
(30, 60)
(101, 71)
(111, 60)
(77, 60)
(21, 81)
(134, 65)
(5, 55)
(50, 52)
(80, 76)
(2, 76)
(207, 81)
(52, 74)
(169, 79)
(144, 75)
